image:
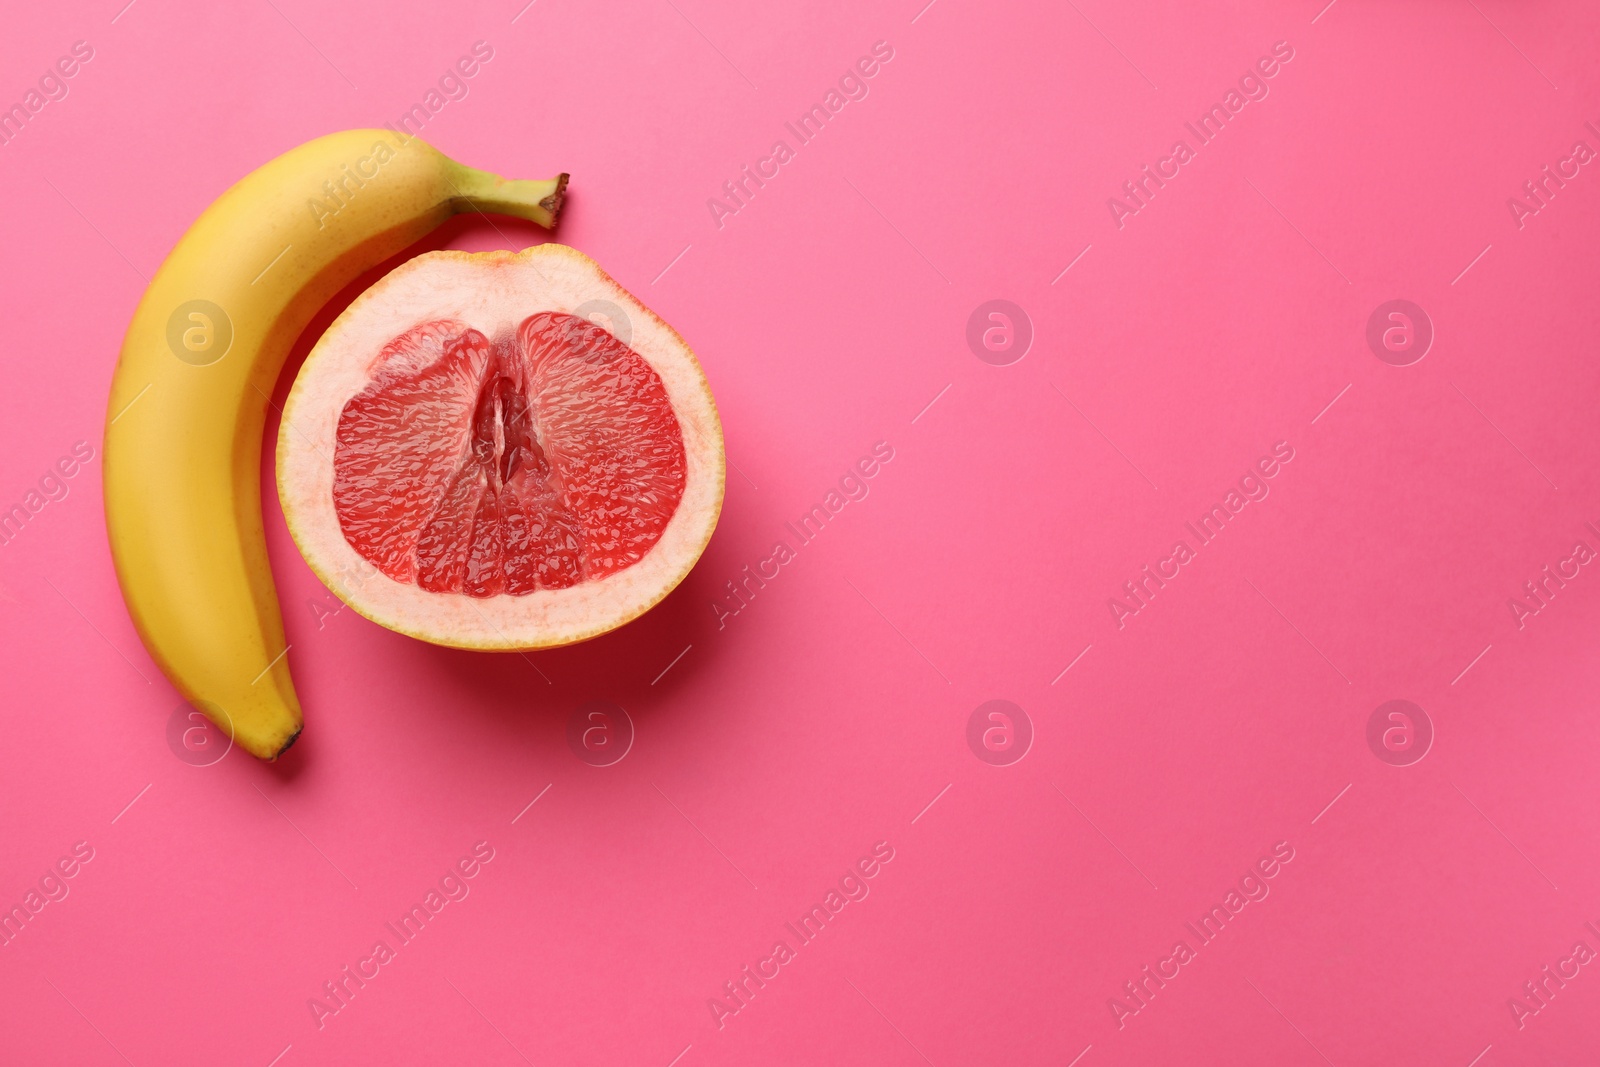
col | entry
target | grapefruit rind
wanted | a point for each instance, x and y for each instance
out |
(489, 290)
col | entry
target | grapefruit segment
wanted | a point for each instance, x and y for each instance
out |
(468, 460)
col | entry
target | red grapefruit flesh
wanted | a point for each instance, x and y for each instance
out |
(467, 457)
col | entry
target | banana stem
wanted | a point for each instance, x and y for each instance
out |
(478, 190)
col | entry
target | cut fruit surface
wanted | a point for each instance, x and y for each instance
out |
(538, 461)
(500, 450)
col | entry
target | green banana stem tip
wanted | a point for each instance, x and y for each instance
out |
(478, 190)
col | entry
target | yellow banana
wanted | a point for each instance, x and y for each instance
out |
(188, 400)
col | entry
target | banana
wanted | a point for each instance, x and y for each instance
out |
(182, 458)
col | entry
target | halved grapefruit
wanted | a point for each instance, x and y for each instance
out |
(500, 450)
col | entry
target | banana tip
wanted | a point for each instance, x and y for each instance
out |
(287, 745)
(555, 200)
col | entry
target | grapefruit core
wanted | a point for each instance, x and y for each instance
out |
(500, 450)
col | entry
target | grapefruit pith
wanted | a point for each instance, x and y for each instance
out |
(500, 450)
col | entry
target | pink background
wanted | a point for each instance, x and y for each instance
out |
(1223, 718)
